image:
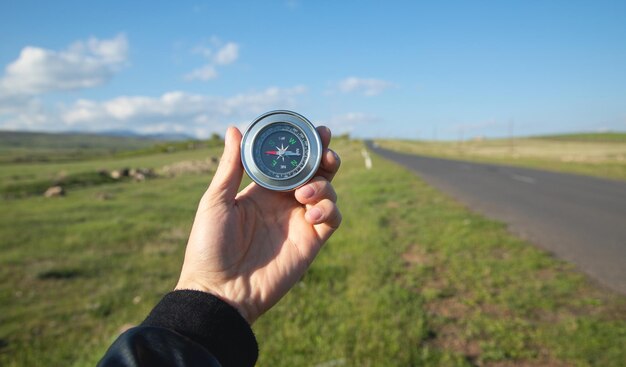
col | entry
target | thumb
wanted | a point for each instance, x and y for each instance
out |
(227, 179)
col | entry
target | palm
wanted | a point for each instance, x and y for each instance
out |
(268, 240)
(250, 248)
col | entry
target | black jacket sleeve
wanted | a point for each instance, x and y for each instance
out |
(187, 328)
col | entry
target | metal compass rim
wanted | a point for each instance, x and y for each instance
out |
(263, 123)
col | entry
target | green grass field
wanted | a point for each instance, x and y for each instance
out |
(24, 147)
(410, 279)
(601, 155)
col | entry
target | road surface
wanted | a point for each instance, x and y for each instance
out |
(578, 218)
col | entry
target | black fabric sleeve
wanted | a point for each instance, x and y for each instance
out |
(152, 346)
(201, 320)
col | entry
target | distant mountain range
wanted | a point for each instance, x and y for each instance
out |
(134, 134)
(29, 147)
(114, 140)
(18, 138)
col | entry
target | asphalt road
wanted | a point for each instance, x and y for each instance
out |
(578, 218)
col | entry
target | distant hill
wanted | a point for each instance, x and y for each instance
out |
(19, 146)
(159, 136)
(617, 137)
(37, 140)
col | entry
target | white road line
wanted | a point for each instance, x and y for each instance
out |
(525, 179)
(368, 160)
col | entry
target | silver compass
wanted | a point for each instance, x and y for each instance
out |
(281, 150)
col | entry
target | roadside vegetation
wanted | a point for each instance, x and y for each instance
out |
(601, 155)
(411, 277)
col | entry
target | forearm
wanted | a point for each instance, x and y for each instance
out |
(187, 328)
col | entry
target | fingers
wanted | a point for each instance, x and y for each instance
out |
(316, 190)
(318, 195)
(325, 135)
(227, 179)
(325, 212)
(320, 198)
(330, 164)
(330, 160)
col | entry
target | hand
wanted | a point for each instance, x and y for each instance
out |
(250, 248)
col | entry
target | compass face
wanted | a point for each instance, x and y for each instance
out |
(281, 150)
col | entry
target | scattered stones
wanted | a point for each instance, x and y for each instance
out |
(54, 191)
(116, 174)
(119, 173)
(184, 167)
(141, 174)
(138, 174)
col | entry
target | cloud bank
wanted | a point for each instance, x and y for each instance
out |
(350, 122)
(84, 64)
(195, 114)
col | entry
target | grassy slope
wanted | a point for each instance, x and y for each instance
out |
(74, 270)
(43, 175)
(17, 146)
(602, 155)
(411, 278)
(588, 137)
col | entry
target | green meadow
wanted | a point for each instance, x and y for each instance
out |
(594, 154)
(411, 278)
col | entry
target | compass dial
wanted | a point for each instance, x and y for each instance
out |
(281, 150)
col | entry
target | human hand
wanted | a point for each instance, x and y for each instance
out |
(250, 248)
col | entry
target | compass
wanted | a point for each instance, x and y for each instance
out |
(281, 150)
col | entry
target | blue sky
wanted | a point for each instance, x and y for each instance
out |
(444, 69)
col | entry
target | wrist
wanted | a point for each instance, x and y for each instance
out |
(195, 286)
(209, 321)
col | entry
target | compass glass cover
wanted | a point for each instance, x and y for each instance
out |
(281, 151)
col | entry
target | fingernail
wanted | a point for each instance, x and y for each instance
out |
(307, 192)
(226, 137)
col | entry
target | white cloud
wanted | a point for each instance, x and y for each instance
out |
(219, 54)
(350, 122)
(163, 129)
(30, 114)
(84, 64)
(177, 111)
(227, 54)
(365, 86)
